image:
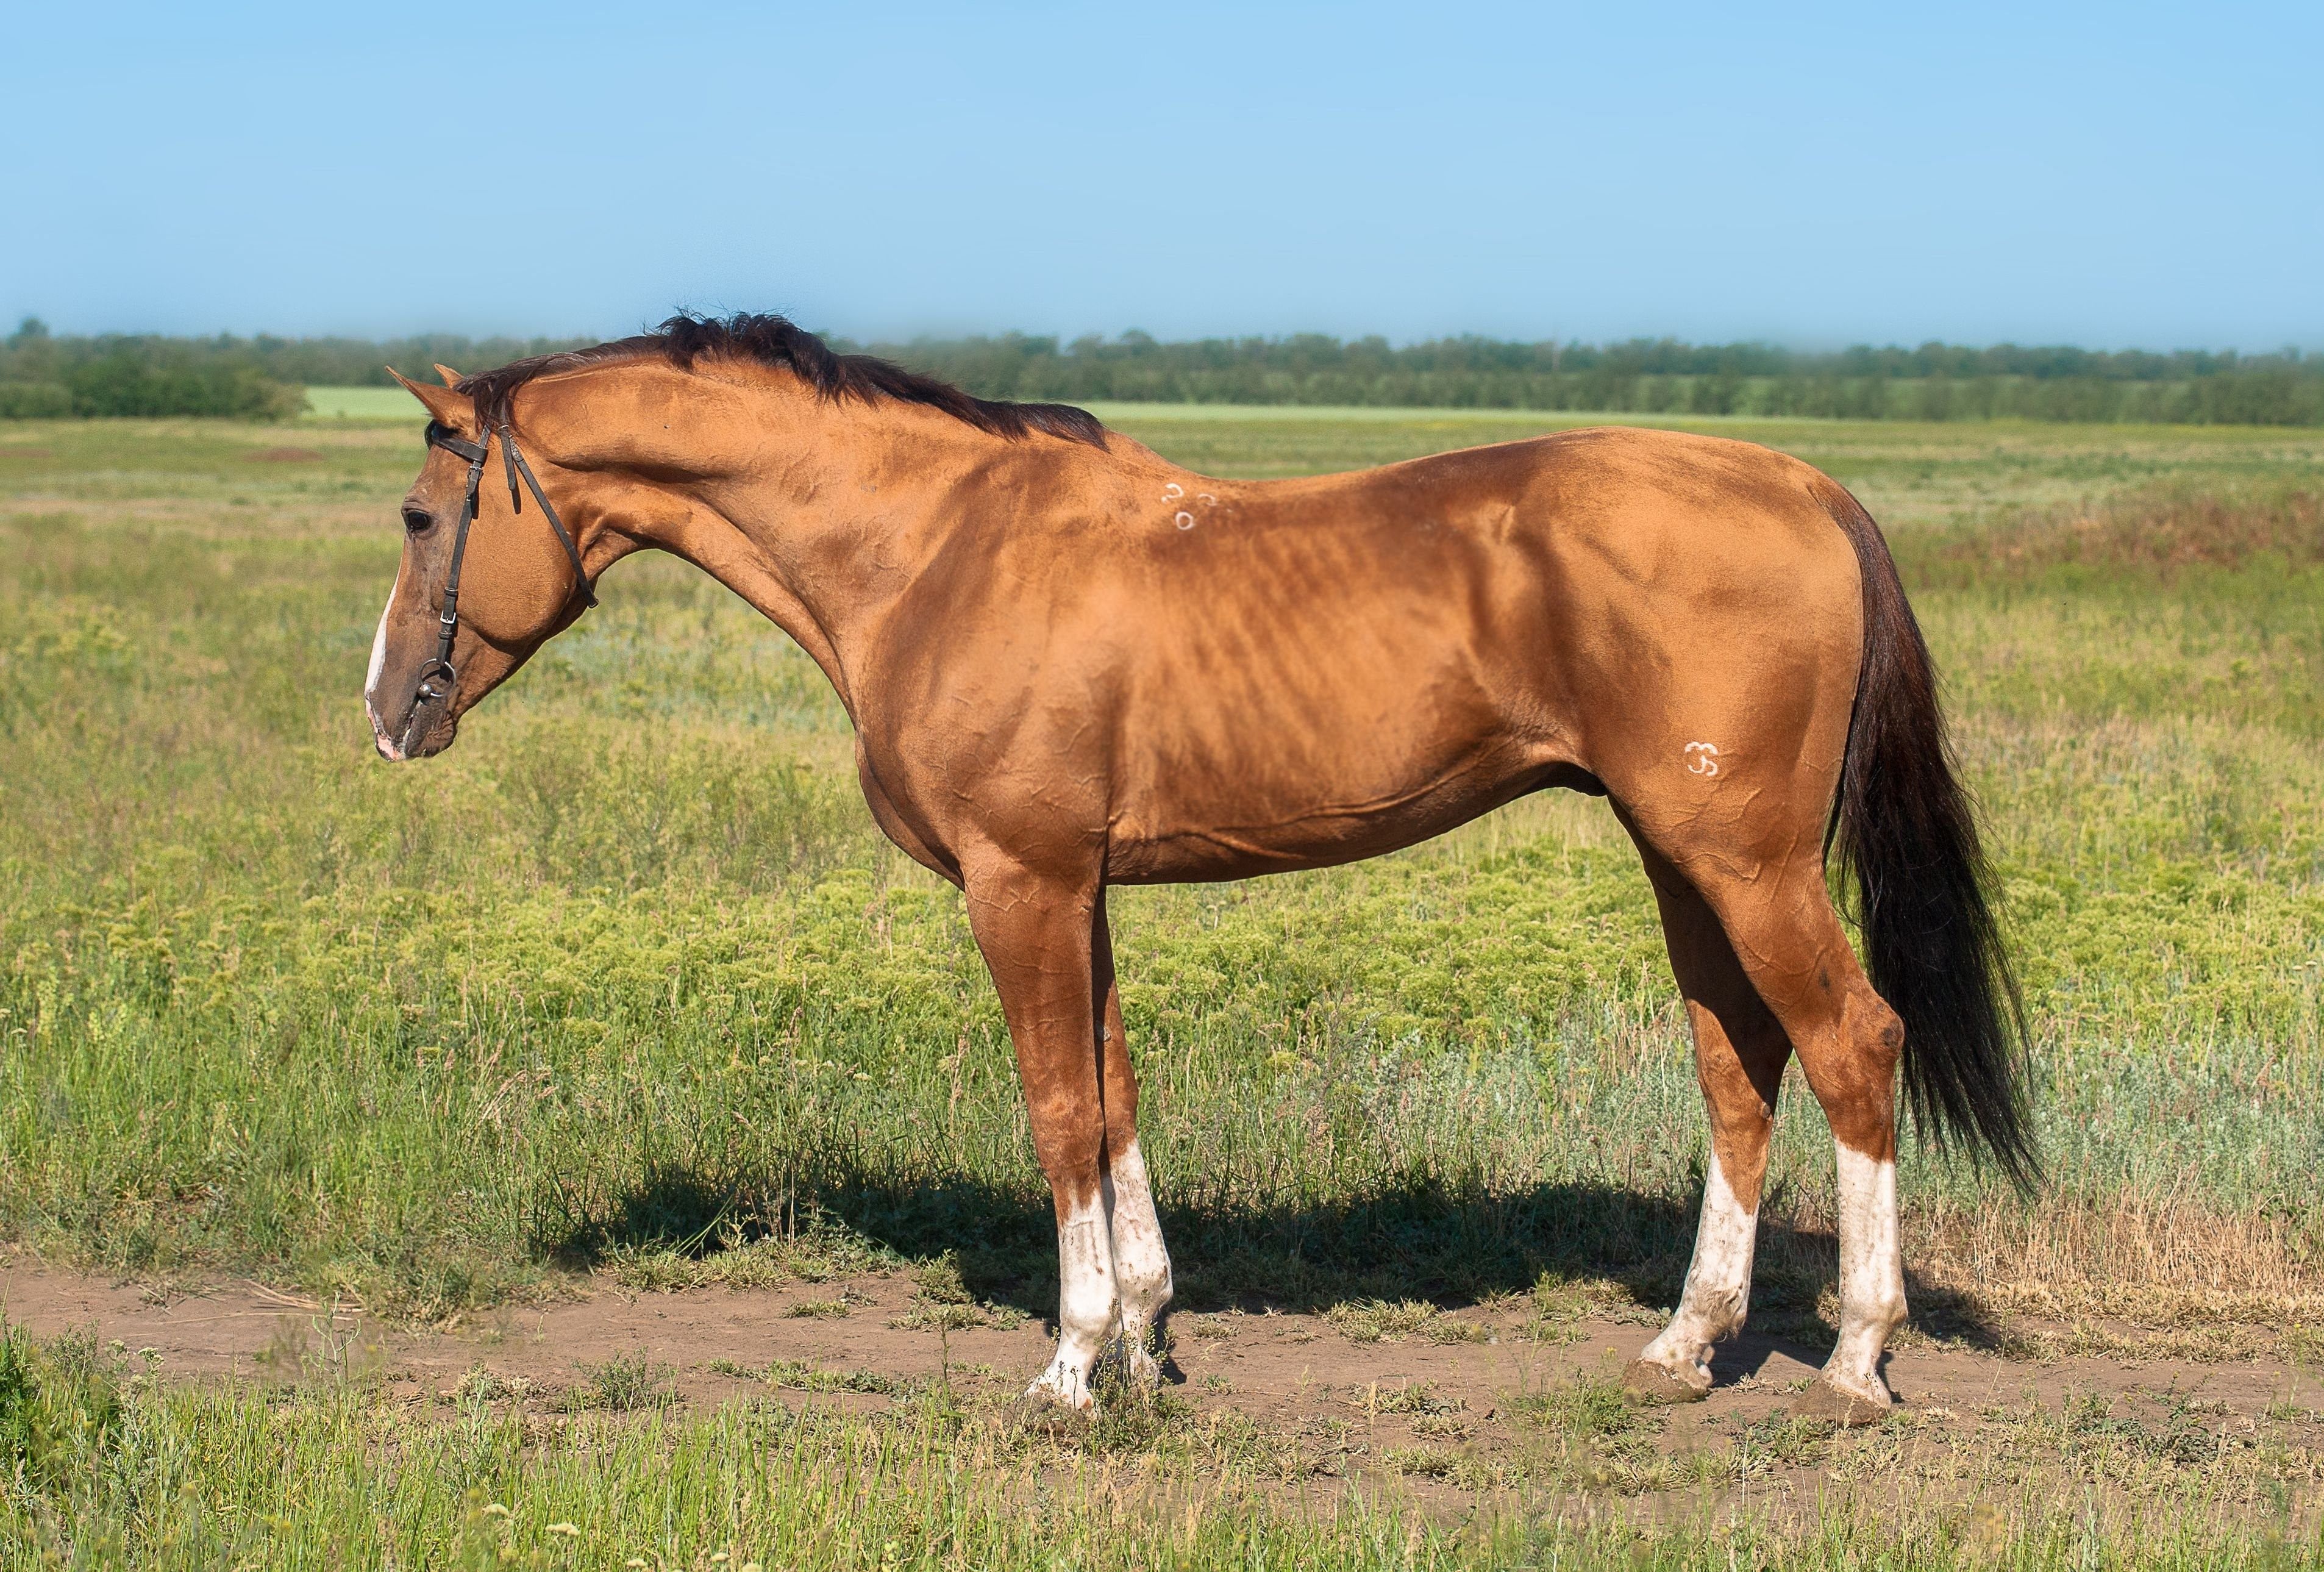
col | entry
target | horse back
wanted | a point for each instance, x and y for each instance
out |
(1214, 678)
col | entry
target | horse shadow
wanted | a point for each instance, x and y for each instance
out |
(1620, 1251)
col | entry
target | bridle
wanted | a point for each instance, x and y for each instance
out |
(442, 435)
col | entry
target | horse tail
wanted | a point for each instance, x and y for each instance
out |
(1907, 831)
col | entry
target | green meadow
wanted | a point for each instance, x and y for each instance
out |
(360, 403)
(628, 986)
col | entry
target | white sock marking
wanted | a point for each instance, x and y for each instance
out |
(1085, 1304)
(1141, 1266)
(1871, 1274)
(1717, 1292)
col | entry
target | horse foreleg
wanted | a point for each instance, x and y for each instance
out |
(1035, 933)
(1739, 1052)
(1141, 1266)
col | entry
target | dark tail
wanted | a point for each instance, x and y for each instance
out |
(1906, 830)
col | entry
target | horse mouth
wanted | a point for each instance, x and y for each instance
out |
(427, 730)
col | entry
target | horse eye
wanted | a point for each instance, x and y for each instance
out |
(416, 521)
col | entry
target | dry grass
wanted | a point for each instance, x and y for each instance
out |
(2125, 1273)
(2158, 1263)
(2156, 529)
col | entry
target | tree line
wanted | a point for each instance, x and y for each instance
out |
(1936, 382)
(261, 377)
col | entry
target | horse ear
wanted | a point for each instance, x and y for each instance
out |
(445, 407)
(451, 378)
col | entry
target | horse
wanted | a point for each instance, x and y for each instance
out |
(1072, 664)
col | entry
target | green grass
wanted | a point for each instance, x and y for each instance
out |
(628, 980)
(364, 404)
(105, 1468)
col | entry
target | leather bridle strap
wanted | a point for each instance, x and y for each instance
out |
(449, 620)
(515, 464)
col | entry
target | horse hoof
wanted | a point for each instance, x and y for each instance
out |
(1829, 1403)
(1651, 1385)
(1040, 1412)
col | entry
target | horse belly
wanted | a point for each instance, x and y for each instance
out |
(1312, 731)
(1263, 819)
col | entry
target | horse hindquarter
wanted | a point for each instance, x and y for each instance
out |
(1721, 685)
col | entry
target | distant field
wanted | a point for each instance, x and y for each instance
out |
(1910, 473)
(390, 404)
(362, 404)
(627, 989)
(366, 403)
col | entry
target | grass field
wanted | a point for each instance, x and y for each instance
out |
(362, 404)
(627, 984)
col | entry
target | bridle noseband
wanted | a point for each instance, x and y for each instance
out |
(444, 437)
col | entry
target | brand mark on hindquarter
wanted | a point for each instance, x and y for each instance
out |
(1703, 759)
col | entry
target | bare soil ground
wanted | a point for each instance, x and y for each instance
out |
(1467, 1406)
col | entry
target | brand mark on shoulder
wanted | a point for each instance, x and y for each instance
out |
(1703, 759)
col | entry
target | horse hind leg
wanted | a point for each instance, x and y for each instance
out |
(1739, 1053)
(1789, 941)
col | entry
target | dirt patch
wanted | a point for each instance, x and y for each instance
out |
(285, 455)
(7, 452)
(1449, 1406)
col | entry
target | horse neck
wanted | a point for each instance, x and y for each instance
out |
(824, 530)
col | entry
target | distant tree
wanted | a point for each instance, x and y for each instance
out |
(255, 377)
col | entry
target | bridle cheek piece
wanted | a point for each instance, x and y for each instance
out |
(444, 437)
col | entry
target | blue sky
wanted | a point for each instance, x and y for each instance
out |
(2110, 176)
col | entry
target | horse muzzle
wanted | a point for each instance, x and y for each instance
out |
(427, 727)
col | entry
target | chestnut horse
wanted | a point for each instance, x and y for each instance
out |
(1071, 663)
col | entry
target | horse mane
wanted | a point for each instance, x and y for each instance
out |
(771, 340)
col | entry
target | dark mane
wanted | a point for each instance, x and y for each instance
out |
(771, 340)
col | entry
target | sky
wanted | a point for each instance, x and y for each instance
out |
(2112, 176)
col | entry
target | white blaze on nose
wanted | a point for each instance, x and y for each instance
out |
(379, 648)
(371, 682)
